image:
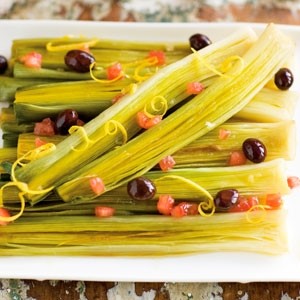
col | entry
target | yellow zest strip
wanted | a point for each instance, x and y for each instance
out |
(203, 206)
(22, 201)
(130, 89)
(32, 155)
(225, 66)
(256, 207)
(157, 104)
(228, 63)
(86, 140)
(116, 126)
(148, 62)
(66, 47)
(92, 65)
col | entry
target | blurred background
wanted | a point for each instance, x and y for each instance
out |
(278, 11)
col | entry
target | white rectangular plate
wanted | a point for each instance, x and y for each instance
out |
(213, 267)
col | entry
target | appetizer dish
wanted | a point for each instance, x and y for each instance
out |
(147, 148)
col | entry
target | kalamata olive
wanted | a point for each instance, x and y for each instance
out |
(225, 199)
(284, 79)
(79, 61)
(3, 64)
(254, 150)
(199, 41)
(141, 188)
(65, 120)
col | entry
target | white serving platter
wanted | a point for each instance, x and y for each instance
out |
(212, 267)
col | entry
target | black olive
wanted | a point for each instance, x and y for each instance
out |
(284, 79)
(79, 61)
(199, 41)
(225, 199)
(254, 150)
(3, 64)
(141, 188)
(65, 120)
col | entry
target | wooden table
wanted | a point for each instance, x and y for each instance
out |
(122, 11)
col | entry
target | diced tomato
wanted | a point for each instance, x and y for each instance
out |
(159, 55)
(104, 211)
(114, 71)
(293, 181)
(244, 204)
(44, 128)
(194, 88)
(145, 122)
(39, 142)
(117, 98)
(184, 209)
(274, 201)
(165, 204)
(167, 163)
(79, 122)
(97, 185)
(237, 158)
(32, 60)
(4, 213)
(224, 133)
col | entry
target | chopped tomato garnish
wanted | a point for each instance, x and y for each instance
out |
(194, 88)
(165, 204)
(44, 128)
(97, 185)
(159, 55)
(32, 60)
(104, 211)
(224, 133)
(145, 122)
(79, 122)
(293, 181)
(244, 204)
(117, 98)
(39, 142)
(184, 209)
(237, 158)
(114, 71)
(167, 163)
(274, 201)
(4, 213)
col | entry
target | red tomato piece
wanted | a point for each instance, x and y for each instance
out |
(159, 55)
(44, 128)
(104, 211)
(293, 181)
(165, 204)
(32, 60)
(145, 122)
(184, 209)
(167, 163)
(97, 185)
(114, 71)
(194, 88)
(244, 204)
(224, 133)
(237, 158)
(39, 142)
(275, 201)
(117, 98)
(4, 213)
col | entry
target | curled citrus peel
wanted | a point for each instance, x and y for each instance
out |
(251, 219)
(66, 47)
(86, 140)
(205, 208)
(112, 127)
(22, 186)
(226, 65)
(158, 105)
(93, 65)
